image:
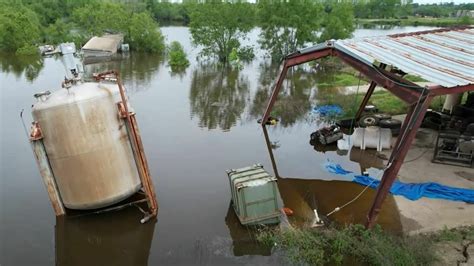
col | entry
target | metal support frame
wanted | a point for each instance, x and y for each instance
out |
(136, 143)
(36, 139)
(416, 97)
(364, 102)
(407, 135)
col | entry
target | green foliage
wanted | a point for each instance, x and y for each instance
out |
(144, 34)
(288, 25)
(166, 12)
(58, 32)
(344, 245)
(19, 29)
(219, 27)
(105, 16)
(177, 57)
(338, 21)
(465, 20)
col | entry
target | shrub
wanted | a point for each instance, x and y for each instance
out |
(177, 57)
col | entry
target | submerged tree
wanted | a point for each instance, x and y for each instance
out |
(177, 57)
(140, 30)
(144, 34)
(288, 25)
(220, 27)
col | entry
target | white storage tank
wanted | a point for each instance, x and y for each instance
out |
(87, 145)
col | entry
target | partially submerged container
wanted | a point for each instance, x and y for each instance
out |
(87, 144)
(254, 195)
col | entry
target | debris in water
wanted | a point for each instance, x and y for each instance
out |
(326, 110)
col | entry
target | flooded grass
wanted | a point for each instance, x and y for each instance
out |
(353, 242)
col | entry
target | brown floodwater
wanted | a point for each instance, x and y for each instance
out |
(194, 126)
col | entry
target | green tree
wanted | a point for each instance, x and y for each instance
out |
(58, 32)
(338, 21)
(94, 19)
(220, 26)
(144, 34)
(19, 29)
(288, 25)
(177, 57)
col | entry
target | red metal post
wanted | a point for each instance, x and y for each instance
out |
(270, 151)
(410, 127)
(364, 102)
(290, 62)
(275, 92)
(440, 90)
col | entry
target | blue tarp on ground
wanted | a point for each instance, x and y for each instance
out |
(412, 191)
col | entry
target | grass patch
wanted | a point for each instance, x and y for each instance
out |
(384, 100)
(342, 79)
(350, 244)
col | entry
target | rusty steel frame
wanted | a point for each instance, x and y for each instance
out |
(417, 98)
(137, 145)
(36, 140)
(369, 92)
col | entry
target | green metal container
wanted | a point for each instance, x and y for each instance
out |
(254, 195)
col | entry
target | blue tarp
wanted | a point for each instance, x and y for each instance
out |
(412, 191)
(330, 109)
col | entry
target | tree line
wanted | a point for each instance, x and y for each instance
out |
(218, 26)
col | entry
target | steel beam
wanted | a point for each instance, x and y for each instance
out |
(290, 62)
(440, 90)
(407, 95)
(364, 102)
(270, 151)
(307, 57)
(410, 127)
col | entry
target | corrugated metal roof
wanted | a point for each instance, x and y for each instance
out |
(444, 57)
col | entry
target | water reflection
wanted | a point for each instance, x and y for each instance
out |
(244, 239)
(304, 195)
(137, 69)
(295, 98)
(31, 66)
(115, 238)
(218, 96)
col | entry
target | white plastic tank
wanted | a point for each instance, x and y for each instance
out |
(372, 137)
(87, 145)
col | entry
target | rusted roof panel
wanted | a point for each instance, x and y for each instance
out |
(444, 57)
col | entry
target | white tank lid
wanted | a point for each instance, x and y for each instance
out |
(76, 93)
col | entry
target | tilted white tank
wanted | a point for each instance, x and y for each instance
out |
(87, 145)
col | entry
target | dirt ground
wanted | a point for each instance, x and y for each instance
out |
(428, 215)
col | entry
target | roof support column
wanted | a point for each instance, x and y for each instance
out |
(364, 102)
(409, 129)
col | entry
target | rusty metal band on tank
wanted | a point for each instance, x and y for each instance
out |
(88, 147)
